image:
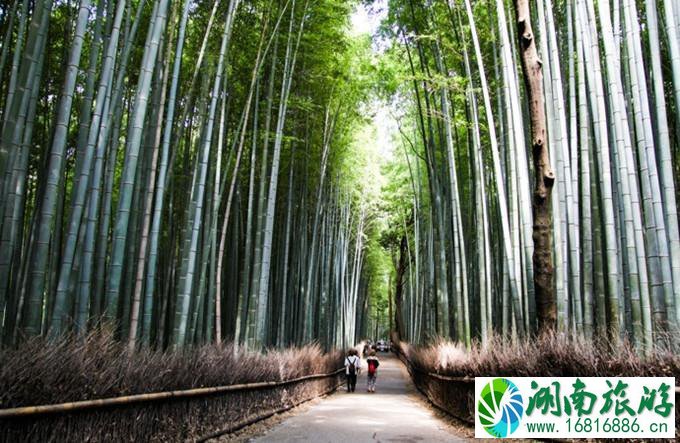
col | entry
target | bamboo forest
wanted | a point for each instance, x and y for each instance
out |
(183, 177)
(258, 172)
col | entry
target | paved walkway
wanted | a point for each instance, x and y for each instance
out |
(392, 414)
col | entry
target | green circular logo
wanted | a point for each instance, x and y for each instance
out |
(500, 407)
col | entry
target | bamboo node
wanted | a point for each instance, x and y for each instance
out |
(549, 177)
(527, 37)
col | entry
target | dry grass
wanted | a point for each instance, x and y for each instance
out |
(42, 372)
(550, 354)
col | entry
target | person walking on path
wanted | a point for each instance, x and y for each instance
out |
(372, 363)
(367, 349)
(352, 368)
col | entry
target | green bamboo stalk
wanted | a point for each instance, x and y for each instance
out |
(131, 158)
(186, 281)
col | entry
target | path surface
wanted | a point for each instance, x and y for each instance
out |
(392, 414)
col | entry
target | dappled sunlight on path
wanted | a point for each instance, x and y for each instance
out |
(392, 414)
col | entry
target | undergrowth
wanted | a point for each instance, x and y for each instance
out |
(97, 366)
(550, 354)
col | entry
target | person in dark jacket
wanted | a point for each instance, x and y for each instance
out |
(372, 363)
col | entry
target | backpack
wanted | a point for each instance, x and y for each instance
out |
(372, 366)
(352, 367)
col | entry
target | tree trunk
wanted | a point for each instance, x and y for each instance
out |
(533, 78)
(399, 288)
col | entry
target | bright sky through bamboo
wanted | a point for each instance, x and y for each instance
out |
(367, 21)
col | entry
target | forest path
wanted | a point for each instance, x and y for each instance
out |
(391, 414)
